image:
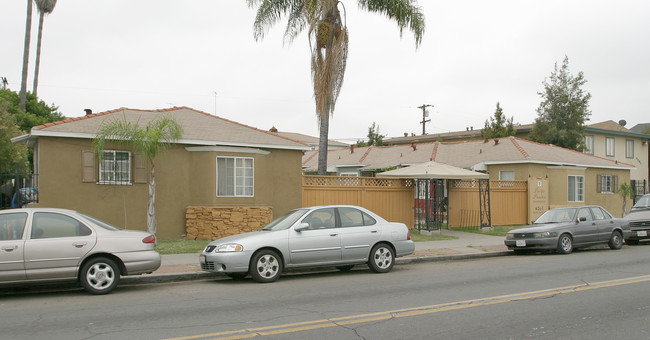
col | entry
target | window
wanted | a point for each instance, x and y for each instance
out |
(321, 219)
(629, 148)
(598, 213)
(235, 176)
(576, 189)
(589, 144)
(351, 217)
(507, 175)
(115, 168)
(12, 226)
(584, 213)
(609, 146)
(606, 184)
(50, 225)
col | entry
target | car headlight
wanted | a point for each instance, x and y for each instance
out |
(510, 236)
(545, 234)
(229, 247)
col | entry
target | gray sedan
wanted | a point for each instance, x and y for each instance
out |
(340, 236)
(565, 229)
(39, 245)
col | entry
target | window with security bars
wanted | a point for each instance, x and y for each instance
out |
(115, 168)
(235, 176)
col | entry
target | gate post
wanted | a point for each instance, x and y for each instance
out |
(484, 203)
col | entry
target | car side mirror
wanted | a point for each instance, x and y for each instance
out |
(581, 219)
(302, 226)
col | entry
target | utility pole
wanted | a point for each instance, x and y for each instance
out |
(425, 114)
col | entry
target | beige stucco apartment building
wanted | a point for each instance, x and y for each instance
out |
(242, 174)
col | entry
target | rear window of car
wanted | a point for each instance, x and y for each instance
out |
(101, 223)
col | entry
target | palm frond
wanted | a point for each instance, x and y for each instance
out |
(406, 13)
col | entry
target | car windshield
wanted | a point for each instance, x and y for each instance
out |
(557, 216)
(285, 221)
(101, 223)
(642, 204)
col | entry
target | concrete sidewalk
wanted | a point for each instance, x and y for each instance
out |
(183, 267)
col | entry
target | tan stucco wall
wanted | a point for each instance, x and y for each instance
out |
(183, 178)
(639, 161)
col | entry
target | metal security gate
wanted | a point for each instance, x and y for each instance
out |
(484, 197)
(17, 190)
(430, 204)
(640, 189)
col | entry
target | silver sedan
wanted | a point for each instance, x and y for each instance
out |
(340, 236)
(40, 245)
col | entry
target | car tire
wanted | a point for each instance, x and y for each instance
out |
(265, 266)
(632, 242)
(616, 240)
(565, 244)
(381, 259)
(236, 276)
(99, 275)
(345, 268)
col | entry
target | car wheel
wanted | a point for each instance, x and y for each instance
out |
(616, 240)
(344, 268)
(632, 242)
(265, 266)
(381, 258)
(565, 244)
(236, 276)
(99, 276)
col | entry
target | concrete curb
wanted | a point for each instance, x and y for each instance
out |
(195, 276)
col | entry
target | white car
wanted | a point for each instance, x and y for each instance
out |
(338, 235)
(39, 245)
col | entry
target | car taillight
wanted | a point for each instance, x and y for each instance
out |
(149, 239)
(408, 235)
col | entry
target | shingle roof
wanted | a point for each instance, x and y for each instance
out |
(465, 154)
(199, 128)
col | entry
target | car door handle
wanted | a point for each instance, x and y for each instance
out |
(79, 244)
(373, 231)
(333, 234)
(10, 248)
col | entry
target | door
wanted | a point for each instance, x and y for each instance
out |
(56, 245)
(359, 232)
(320, 243)
(604, 223)
(585, 231)
(12, 227)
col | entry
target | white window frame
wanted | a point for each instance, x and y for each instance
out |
(349, 174)
(606, 184)
(109, 176)
(578, 188)
(502, 174)
(629, 148)
(243, 177)
(610, 150)
(589, 144)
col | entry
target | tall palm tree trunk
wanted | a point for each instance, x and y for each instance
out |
(28, 36)
(323, 142)
(38, 51)
(151, 205)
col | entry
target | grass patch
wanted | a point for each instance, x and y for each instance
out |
(181, 246)
(417, 237)
(499, 230)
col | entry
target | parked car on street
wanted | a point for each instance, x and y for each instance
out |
(565, 229)
(40, 245)
(639, 218)
(338, 235)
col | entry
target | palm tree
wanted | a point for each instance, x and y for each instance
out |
(150, 141)
(626, 191)
(44, 7)
(28, 37)
(328, 39)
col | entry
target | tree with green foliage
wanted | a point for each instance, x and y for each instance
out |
(626, 191)
(563, 111)
(374, 137)
(328, 38)
(36, 111)
(13, 157)
(150, 141)
(499, 126)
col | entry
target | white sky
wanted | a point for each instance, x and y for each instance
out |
(149, 54)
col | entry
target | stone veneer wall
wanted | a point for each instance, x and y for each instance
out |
(211, 223)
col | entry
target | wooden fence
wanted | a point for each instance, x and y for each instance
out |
(508, 201)
(390, 198)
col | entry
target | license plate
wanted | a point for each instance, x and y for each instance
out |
(521, 243)
(202, 259)
(642, 233)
